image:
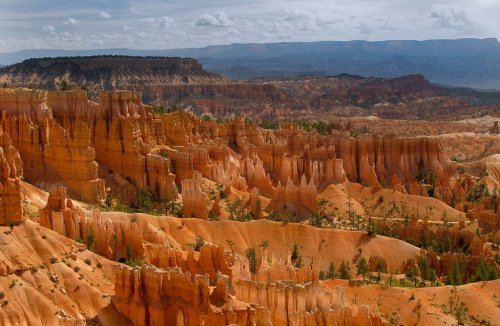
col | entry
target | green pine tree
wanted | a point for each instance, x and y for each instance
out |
(344, 271)
(362, 266)
(252, 259)
(379, 267)
(331, 271)
(295, 252)
(455, 275)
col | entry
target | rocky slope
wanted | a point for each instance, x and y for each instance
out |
(45, 278)
(266, 213)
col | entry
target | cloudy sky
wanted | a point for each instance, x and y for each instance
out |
(154, 24)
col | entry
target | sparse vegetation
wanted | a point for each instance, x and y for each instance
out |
(237, 212)
(90, 239)
(251, 255)
(331, 274)
(344, 271)
(144, 199)
(199, 243)
(362, 266)
(64, 85)
(454, 275)
(132, 262)
(232, 246)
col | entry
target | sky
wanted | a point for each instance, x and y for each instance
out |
(153, 24)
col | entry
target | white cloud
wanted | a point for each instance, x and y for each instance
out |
(228, 21)
(305, 20)
(364, 28)
(164, 21)
(450, 17)
(216, 19)
(70, 21)
(48, 28)
(104, 15)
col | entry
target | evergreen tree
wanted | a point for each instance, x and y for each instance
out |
(295, 252)
(446, 243)
(344, 271)
(90, 239)
(316, 220)
(199, 243)
(455, 275)
(64, 86)
(362, 266)
(252, 259)
(412, 273)
(485, 272)
(425, 268)
(379, 267)
(331, 271)
(258, 208)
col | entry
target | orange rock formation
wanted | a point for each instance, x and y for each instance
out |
(10, 189)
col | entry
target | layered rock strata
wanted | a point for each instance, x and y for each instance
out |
(151, 296)
(164, 152)
(51, 154)
(11, 171)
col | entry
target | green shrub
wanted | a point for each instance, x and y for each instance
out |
(199, 243)
(134, 262)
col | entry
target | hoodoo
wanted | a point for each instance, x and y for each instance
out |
(138, 207)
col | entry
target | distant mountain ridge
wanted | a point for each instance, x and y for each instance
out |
(463, 62)
(183, 82)
(107, 72)
(161, 80)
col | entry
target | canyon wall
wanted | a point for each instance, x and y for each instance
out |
(65, 139)
(375, 161)
(52, 155)
(11, 171)
(152, 296)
